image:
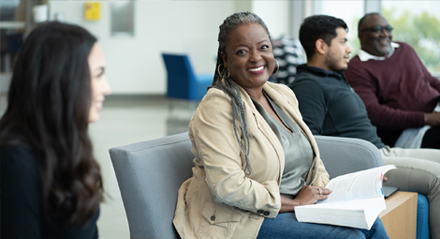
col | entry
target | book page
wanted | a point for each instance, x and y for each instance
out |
(361, 184)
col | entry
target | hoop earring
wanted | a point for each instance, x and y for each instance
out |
(278, 66)
(219, 72)
(218, 69)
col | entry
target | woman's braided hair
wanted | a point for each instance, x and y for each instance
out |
(225, 83)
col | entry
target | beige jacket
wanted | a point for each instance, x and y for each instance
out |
(221, 200)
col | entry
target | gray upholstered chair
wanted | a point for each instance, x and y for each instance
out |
(150, 173)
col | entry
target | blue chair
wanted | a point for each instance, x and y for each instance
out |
(183, 83)
(422, 217)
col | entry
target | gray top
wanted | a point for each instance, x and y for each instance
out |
(297, 149)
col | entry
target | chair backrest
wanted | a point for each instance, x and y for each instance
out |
(346, 155)
(180, 76)
(149, 175)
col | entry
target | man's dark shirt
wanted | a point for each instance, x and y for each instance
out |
(329, 106)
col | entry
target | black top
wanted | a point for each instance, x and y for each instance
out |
(329, 106)
(20, 200)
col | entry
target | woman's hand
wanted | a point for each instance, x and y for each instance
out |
(308, 195)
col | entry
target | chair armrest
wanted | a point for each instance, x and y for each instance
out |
(345, 155)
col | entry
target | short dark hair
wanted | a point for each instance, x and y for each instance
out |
(364, 17)
(318, 27)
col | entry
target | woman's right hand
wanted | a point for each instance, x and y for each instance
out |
(308, 195)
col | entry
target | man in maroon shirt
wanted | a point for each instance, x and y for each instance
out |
(400, 94)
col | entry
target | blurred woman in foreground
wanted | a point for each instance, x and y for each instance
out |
(51, 185)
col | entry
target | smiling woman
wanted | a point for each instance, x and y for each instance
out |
(249, 57)
(255, 159)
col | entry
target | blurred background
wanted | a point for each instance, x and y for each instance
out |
(135, 34)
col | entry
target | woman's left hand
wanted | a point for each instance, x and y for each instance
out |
(308, 195)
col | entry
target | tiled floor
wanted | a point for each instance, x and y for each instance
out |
(126, 120)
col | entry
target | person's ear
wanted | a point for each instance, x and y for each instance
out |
(321, 47)
(225, 60)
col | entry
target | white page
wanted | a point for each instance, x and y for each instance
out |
(361, 184)
(356, 200)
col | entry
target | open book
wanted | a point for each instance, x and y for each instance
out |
(356, 200)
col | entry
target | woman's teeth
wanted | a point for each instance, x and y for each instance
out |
(256, 69)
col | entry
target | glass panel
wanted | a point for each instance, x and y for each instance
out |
(122, 18)
(9, 11)
(12, 16)
(418, 24)
(12, 28)
(351, 17)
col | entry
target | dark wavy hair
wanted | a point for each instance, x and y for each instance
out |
(319, 27)
(48, 110)
(225, 83)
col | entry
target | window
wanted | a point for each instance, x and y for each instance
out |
(12, 27)
(418, 24)
(122, 18)
(11, 32)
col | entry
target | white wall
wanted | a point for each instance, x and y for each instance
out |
(276, 15)
(135, 65)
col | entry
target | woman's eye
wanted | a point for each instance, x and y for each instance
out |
(265, 47)
(241, 52)
(100, 73)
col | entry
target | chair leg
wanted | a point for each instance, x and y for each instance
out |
(182, 108)
(171, 108)
(192, 107)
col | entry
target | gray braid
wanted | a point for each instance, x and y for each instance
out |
(225, 83)
(231, 89)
